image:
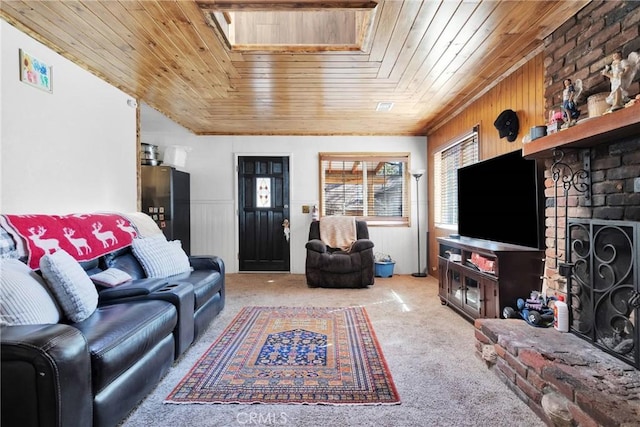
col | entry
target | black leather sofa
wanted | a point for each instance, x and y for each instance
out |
(94, 372)
(199, 294)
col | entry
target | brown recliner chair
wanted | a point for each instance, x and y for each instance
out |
(334, 268)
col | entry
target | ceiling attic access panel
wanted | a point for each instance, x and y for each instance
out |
(301, 26)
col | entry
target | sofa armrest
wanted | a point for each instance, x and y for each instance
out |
(316, 246)
(361, 245)
(46, 376)
(207, 262)
(134, 288)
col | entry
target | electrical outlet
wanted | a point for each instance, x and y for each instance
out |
(636, 185)
(305, 208)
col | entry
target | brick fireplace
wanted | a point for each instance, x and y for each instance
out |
(592, 190)
(592, 182)
(580, 49)
(588, 377)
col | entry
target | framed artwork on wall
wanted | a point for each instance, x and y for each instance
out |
(35, 72)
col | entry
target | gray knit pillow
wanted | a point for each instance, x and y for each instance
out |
(71, 285)
(24, 297)
(159, 257)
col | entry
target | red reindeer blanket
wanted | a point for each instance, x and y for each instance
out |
(83, 236)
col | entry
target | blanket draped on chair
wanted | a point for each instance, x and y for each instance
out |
(83, 236)
(338, 231)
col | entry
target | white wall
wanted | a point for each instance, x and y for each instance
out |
(73, 150)
(211, 163)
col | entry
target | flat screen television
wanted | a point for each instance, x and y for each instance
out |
(502, 199)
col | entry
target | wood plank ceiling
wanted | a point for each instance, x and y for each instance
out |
(429, 58)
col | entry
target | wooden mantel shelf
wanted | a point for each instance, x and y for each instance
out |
(590, 132)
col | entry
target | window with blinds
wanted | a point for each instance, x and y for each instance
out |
(461, 153)
(374, 187)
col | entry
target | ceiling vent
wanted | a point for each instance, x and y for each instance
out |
(384, 106)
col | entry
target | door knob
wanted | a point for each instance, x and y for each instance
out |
(285, 227)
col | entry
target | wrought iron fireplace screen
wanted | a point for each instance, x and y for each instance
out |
(604, 295)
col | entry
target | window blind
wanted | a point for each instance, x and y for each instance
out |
(371, 186)
(446, 164)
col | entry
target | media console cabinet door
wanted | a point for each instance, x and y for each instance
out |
(468, 291)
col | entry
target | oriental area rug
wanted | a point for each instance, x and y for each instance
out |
(299, 355)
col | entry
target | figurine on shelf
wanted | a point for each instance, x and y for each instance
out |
(634, 101)
(570, 96)
(621, 73)
(556, 121)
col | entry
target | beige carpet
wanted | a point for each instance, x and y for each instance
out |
(429, 348)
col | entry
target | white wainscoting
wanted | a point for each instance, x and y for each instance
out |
(213, 230)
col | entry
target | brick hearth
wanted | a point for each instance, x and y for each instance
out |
(564, 379)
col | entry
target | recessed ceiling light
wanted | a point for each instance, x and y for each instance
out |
(384, 106)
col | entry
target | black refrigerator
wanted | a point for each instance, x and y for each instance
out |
(166, 198)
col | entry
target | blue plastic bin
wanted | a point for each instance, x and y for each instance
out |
(384, 269)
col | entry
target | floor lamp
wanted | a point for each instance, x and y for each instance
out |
(417, 174)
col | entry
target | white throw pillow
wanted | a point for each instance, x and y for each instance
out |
(24, 297)
(71, 285)
(110, 277)
(159, 257)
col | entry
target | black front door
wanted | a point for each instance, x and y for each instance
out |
(263, 200)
